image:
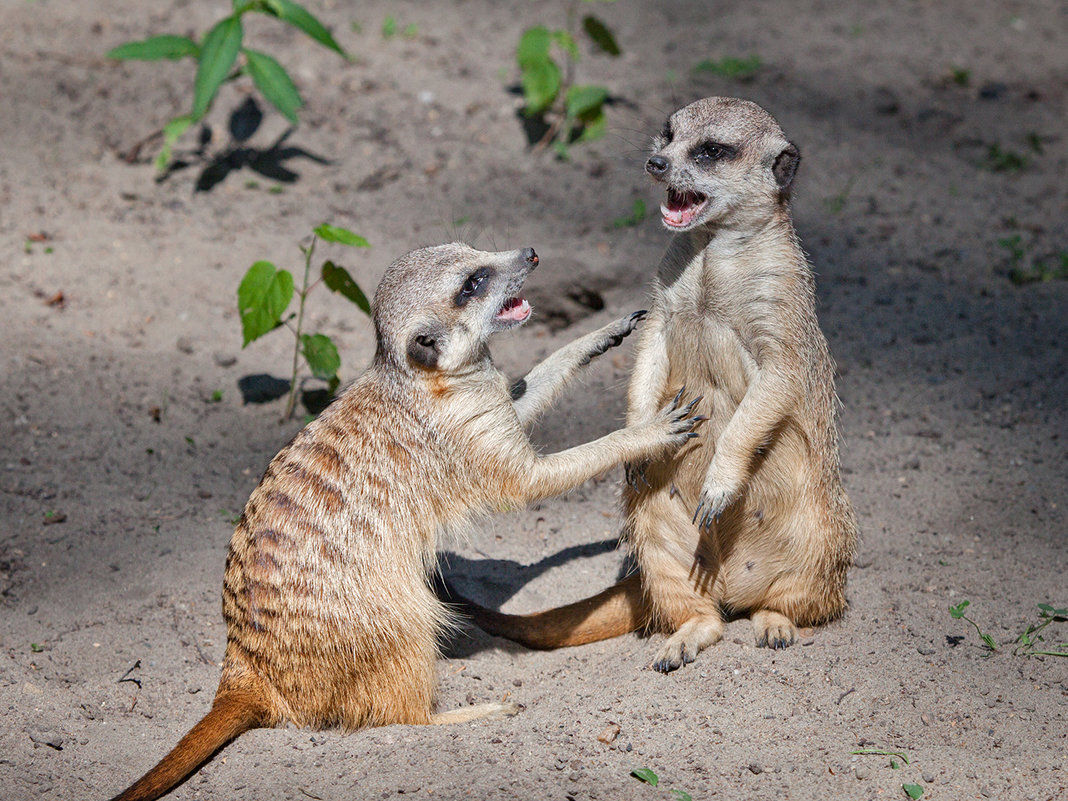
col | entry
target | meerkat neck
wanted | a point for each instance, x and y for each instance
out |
(724, 241)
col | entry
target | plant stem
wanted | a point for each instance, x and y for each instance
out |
(300, 322)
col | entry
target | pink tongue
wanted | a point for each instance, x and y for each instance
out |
(679, 209)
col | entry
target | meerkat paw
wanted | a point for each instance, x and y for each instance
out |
(635, 474)
(678, 421)
(716, 496)
(684, 645)
(773, 630)
(612, 335)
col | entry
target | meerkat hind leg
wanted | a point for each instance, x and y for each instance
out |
(773, 629)
(495, 710)
(684, 645)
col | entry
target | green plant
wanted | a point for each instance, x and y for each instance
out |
(647, 776)
(960, 76)
(571, 112)
(217, 62)
(635, 217)
(999, 159)
(880, 752)
(265, 293)
(1027, 644)
(912, 790)
(1041, 271)
(957, 613)
(1014, 245)
(731, 67)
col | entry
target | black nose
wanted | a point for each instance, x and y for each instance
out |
(656, 166)
(529, 256)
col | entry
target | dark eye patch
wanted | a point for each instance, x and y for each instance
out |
(708, 152)
(475, 285)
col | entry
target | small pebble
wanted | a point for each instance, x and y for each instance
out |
(863, 772)
(185, 345)
(928, 777)
(756, 768)
(926, 650)
(225, 359)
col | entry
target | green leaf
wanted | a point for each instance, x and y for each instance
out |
(682, 795)
(990, 643)
(957, 612)
(155, 48)
(389, 28)
(636, 216)
(262, 299)
(217, 55)
(645, 775)
(581, 100)
(533, 46)
(271, 78)
(343, 236)
(541, 83)
(299, 17)
(594, 128)
(894, 765)
(337, 279)
(567, 43)
(600, 34)
(912, 790)
(321, 354)
(171, 132)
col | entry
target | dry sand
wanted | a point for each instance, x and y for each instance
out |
(953, 381)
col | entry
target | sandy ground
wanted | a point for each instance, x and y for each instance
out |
(114, 525)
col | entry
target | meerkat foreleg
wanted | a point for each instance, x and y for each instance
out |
(535, 392)
(556, 473)
(650, 371)
(751, 428)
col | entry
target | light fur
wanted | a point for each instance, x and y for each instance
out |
(751, 519)
(331, 620)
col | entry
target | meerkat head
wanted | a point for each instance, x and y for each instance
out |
(436, 308)
(722, 159)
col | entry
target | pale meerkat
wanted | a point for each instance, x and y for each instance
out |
(752, 519)
(331, 621)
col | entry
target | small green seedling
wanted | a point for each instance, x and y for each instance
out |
(960, 76)
(999, 159)
(635, 217)
(880, 752)
(912, 790)
(957, 613)
(217, 57)
(570, 112)
(1028, 643)
(217, 396)
(265, 293)
(730, 67)
(646, 776)
(36, 647)
(1041, 270)
(1014, 245)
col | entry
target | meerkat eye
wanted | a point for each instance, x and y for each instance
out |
(711, 151)
(474, 286)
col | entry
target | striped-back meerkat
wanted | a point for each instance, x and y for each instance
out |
(331, 621)
(752, 519)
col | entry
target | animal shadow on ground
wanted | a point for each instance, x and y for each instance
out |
(491, 582)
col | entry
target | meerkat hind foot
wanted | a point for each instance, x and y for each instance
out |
(773, 630)
(684, 645)
(495, 710)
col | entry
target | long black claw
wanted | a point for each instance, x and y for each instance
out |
(678, 397)
(695, 514)
(692, 434)
(689, 406)
(639, 315)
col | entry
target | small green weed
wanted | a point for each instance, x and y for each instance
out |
(880, 752)
(960, 76)
(389, 28)
(731, 67)
(999, 159)
(647, 776)
(570, 112)
(957, 613)
(1014, 245)
(217, 396)
(217, 61)
(636, 216)
(1040, 270)
(1028, 643)
(36, 647)
(912, 790)
(265, 293)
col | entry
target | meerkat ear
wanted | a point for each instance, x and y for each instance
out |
(785, 168)
(424, 348)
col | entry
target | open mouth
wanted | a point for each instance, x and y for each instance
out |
(514, 311)
(682, 208)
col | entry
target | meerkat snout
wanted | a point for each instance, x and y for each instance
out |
(530, 257)
(657, 166)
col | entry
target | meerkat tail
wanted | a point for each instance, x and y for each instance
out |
(617, 610)
(233, 712)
